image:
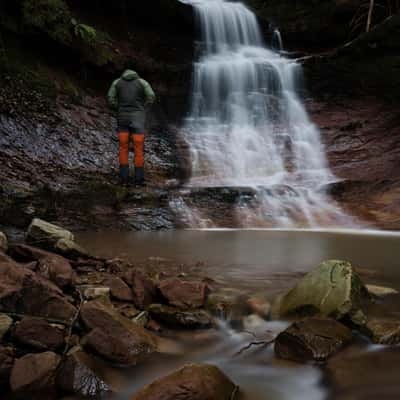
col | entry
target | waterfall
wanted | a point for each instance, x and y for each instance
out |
(248, 126)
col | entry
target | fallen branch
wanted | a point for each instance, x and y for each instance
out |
(263, 343)
(50, 320)
(73, 322)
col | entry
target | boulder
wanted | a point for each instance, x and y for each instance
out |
(381, 291)
(6, 363)
(119, 289)
(384, 331)
(44, 234)
(91, 292)
(22, 291)
(5, 325)
(3, 242)
(312, 339)
(365, 375)
(176, 318)
(183, 294)
(114, 337)
(39, 334)
(143, 288)
(192, 382)
(34, 373)
(69, 248)
(259, 305)
(332, 290)
(49, 265)
(83, 374)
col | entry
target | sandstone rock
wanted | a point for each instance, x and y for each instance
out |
(24, 292)
(192, 382)
(143, 288)
(69, 248)
(6, 363)
(42, 233)
(38, 333)
(114, 337)
(333, 290)
(83, 374)
(94, 292)
(175, 318)
(381, 291)
(183, 294)
(119, 289)
(3, 242)
(5, 325)
(49, 265)
(259, 305)
(365, 375)
(34, 372)
(384, 331)
(312, 339)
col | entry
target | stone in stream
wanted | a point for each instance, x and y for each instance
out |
(333, 290)
(192, 382)
(384, 331)
(38, 333)
(22, 291)
(183, 294)
(42, 233)
(143, 288)
(114, 337)
(6, 363)
(259, 305)
(119, 289)
(69, 248)
(34, 373)
(49, 265)
(365, 375)
(5, 325)
(176, 318)
(3, 242)
(381, 292)
(312, 339)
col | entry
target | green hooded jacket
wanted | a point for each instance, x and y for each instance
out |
(128, 96)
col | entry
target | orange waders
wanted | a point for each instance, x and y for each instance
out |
(138, 148)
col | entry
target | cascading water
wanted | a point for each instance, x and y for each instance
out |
(248, 126)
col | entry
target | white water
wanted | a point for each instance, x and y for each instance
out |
(248, 126)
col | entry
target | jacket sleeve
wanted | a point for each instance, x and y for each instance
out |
(112, 96)
(148, 91)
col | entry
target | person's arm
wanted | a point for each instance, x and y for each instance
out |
(112, 96)
(148, 91)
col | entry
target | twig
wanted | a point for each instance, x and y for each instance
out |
(73, 322)
(371, 7)
(234, 393)
(264, 343)
(50, 320)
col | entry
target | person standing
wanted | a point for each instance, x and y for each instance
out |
(129, 96)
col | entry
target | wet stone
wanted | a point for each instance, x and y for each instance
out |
(3, 242)
(384, 331)
(119, 289)
(5, 325)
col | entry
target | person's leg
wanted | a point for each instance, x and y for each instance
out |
(123, 156)
(138, 146)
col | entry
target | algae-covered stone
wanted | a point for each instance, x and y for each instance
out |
(381, 292)
(42, 233)
(5, 324)
(312, 339)
(69, 248)
(194, 381)
(333, 289)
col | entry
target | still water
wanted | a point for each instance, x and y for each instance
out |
(251, 260)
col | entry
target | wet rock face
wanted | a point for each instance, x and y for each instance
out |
(176, 318)
(312, 339)
(333, 290)
(183, 294)
(34, 373)
(24, 292)
(39, 334)
(114, 337)
(365, 375)
(192, 382)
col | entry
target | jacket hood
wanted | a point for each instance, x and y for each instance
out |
(130, 75)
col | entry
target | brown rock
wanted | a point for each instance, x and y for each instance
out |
(175, 318)
(143, 288)
(192, 382)
(184, 294)
(38, 333)
(6, 363)
(312, 339)
(34, 372)
(23, 291)
(119, 289)
(114, 337)
(384, 331)
(50, 266)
